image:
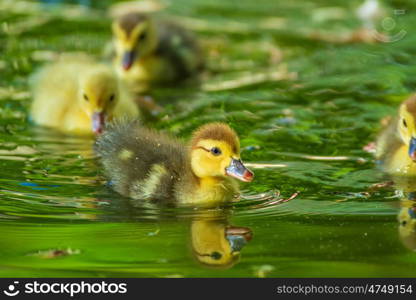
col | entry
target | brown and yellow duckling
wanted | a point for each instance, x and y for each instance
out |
(149, 50)
(78, 95)
(143, 164)
(396, 146)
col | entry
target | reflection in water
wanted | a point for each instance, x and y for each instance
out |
(407, 224)
(407, 213)
(216, 243)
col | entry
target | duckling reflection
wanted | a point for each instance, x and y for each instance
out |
(407, 222)
(215, 243)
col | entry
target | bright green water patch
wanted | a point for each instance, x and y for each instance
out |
(53, 200)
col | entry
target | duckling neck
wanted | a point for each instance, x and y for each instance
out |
(214, 190)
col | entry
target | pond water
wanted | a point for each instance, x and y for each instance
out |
(304, 133)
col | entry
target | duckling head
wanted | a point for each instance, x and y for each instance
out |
(216, 244)
(98, 96)
(407, 125)
(215, 152)
(134, 37)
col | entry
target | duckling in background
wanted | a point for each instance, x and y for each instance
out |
(143, 164)
(153, 51)
(396, 146)
(217, 244)
(78, 95)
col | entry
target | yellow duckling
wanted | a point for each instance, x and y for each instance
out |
(78, 95)
(149, 50)
(143, 164)
(217, 244)
(396, 146)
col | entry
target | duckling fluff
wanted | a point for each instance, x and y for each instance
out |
(149, 50)
(144, 164)
(396, 145)
(77, 95)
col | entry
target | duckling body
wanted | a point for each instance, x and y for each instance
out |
(77, 95)
(143, 164)
(396, 145)
(150, 50)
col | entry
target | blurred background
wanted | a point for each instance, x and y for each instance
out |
(305, 84)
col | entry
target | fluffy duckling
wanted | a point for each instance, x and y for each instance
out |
(143, 164)
(78, 95)
(149, 50)
(217, 244)
(396, 146)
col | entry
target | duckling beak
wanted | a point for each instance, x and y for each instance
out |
(412, 149)
(128, 59)
(98, 121)
(238, 237)
(237, 170)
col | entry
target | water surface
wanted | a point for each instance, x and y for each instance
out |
(57, 217)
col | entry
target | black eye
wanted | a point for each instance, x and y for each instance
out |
(112, 97)
(85, 97)
(216, 151)
(216, 255)
(404, 123)
(404, 223)
(142, 36)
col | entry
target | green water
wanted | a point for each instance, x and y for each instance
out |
(52, 196)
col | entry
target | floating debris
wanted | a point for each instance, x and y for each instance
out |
(334, 158)
(119, 9)
(264, 166)
(263, 270)
(250, 79)
(54, 253)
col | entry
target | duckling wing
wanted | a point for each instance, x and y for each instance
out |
(141, 163)
(54, 88)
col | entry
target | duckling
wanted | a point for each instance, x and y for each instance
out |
(143, 164)
(153, 51)
(217, 244)
(78, 95)
(396, 145)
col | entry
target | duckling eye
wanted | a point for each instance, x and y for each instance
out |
(216, 255)
(112, 97)
(216, 151)
(404, 223)
(142, 36)
(404, 123)
(85, 97)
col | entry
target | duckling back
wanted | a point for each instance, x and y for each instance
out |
(180, 49)
(63, 92)
(141, 163)
(54, 88)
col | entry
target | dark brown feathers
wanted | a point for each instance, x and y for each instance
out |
(219, 132)
(129, 21)
(411, 104)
